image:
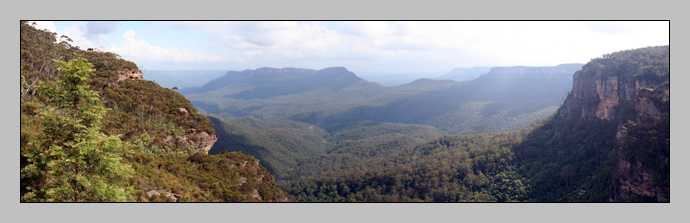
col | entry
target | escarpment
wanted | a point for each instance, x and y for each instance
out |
(631, 89)
(598, 97)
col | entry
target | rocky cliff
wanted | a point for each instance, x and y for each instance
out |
(598, 97)
(653, 103)
(627, 86)
(637, 180)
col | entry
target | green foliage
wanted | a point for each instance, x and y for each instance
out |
(566, 155)
(649, 144)
(140, 106)
(279, 145)
(70, 160)
(203, 178)
(650, 64)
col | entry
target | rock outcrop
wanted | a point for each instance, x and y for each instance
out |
(598, 97)
(636, 180)
(132, 74)
(200, 141)
(653, 103)
(255, 177)
(172, 196)
(601, 92)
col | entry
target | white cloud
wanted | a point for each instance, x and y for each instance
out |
(285, 38)
(385, 46)
(365, 29)
(136, 49)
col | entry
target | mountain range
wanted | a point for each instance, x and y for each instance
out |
(501, 100)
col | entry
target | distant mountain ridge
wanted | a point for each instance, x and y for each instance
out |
(560, 71)
(334, 97)
(465, 74)
(271, 82)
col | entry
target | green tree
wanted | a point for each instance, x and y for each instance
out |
(70, 160)
(567, 173)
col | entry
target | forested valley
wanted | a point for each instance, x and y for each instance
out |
(577, 152)
(94, 130)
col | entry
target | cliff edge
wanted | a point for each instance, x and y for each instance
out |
(631, 89)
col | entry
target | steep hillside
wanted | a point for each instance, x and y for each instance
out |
(631, 88)
(92, 130)
(610, 139)
(279, 145)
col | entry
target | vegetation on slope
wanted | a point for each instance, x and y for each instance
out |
(279, 145)
(87, 137)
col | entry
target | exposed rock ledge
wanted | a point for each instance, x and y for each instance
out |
(636, 180)
(158, 193)
(205, 141)
(133, 74)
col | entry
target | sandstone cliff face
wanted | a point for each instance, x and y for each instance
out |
(599, 97)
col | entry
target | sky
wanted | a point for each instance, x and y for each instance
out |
(363, 47)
